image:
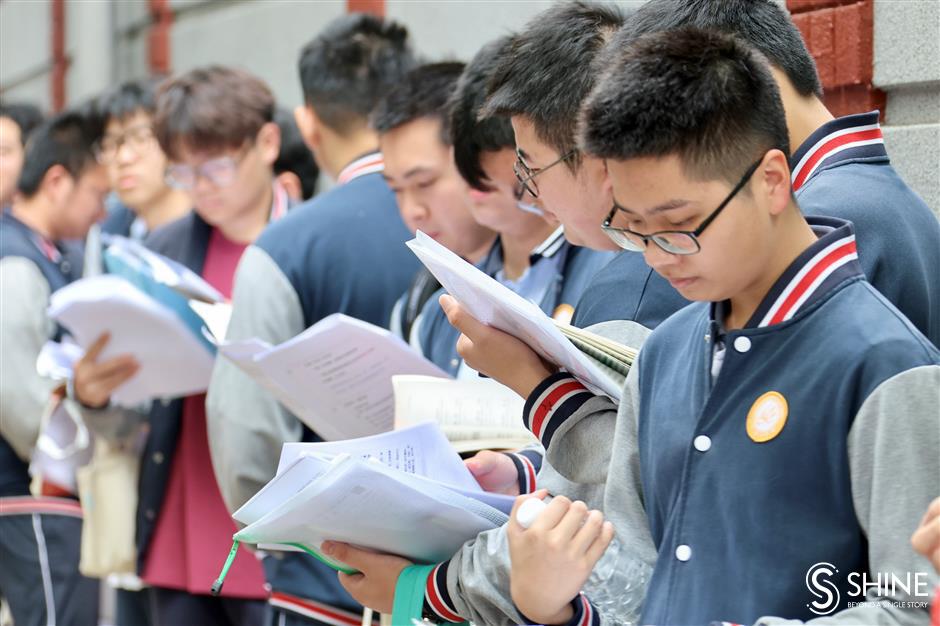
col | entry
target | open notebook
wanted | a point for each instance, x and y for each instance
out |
(474, 415)
(404, 492)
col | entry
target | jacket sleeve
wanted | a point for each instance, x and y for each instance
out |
(895, 473)
(246, 425)
(596, 436)
(24, 329)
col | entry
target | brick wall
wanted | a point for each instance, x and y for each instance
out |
(840, 35)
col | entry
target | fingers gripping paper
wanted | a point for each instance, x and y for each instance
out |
(498, 306)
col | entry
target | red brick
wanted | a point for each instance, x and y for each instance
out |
(822, 44)
(853, 44)
(803, 23)
(854, 99)
(804, 6)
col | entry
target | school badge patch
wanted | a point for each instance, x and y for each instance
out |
(767, 417)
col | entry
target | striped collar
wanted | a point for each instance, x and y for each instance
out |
(548, 248)
(280, 202)
(842, 139)
(45, 246)
(831, 260)
(367, 164)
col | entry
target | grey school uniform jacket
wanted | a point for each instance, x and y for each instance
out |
(811, 442)
(31, 268)
(342, 252)
(841, 170)
(865, 366)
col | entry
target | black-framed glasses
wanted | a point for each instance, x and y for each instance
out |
(137, 138)
(526, 175)
(671, 241)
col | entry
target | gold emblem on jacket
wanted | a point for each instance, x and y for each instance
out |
(767, 417)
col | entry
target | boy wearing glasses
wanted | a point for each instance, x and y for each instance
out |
(539, 83)
(839, 166)
(786, 420)
(136, 164)
(60, 195)
(216, 127)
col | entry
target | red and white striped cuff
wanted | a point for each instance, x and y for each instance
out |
(527, 471)
(436, 597)
(315, 610)
(552, 402)
(44, 505)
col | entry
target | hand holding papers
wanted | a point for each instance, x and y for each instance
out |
(335, 376)
(174, 356)
(496, 305)
(404, 492)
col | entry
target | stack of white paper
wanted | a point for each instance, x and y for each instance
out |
(474, 414)
(404, 492)
(496, 305)
(173, 360)
(336, 376)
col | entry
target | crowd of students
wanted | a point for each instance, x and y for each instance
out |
(668, 177)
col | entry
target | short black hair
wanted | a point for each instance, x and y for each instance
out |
(25, 115)
(705, 96)
(66, 139)
(545, 75)
(129, 98)
(350, 65)
(764, 24)
(422, 92)
(469, 134)
(294, 155)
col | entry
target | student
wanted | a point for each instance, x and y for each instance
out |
(61, 192)
(136, 164)
(295, 168)
(530, 255)
(420, 170)
(540, 84)
(793, 392)
(839, 166)
(343, 252)
(17, 121)
(216, 127)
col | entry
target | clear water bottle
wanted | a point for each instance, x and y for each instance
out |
(617, 583)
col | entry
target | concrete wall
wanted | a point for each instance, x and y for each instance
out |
(25, 53)
(907, 69)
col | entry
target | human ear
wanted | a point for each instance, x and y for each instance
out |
(773, 181)
(291, 184)
(269, 142)
(309, 125)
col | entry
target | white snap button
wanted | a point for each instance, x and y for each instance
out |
(683, 553)
(454, 362)
(742, 344)
(158, 457)
(702, 443)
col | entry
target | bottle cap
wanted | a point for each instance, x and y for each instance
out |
(529, 511)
